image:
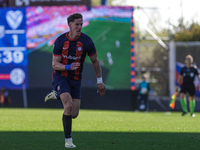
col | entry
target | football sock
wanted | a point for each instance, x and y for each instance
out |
(67, 125)
(192, 106)
(68, 139)
(184, 104)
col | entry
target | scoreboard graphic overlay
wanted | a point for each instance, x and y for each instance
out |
(13, 52)
(24, 30)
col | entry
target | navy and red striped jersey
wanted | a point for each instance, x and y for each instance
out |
(73, 50)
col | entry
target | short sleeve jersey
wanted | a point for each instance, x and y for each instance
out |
(73, 50)
(189, 74)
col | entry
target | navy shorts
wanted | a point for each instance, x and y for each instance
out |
(63, 84)
(188, 88)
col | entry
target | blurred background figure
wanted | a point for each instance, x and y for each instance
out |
(117, 43)
(142, 99)
(187, 76)
(110, 60)
(5, 99)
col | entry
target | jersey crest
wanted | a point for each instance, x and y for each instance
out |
(191, 74)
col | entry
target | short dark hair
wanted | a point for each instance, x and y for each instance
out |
(74, 16)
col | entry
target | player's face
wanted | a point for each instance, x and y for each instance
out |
(76, 26)
(188, 61)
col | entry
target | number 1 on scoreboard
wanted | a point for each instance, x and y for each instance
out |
(15, 39)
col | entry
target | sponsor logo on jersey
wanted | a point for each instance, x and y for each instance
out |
(71, 57)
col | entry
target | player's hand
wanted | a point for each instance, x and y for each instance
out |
(75, 65)
(177, 88)
(101, 89)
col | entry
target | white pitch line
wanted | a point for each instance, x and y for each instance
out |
(102, 34)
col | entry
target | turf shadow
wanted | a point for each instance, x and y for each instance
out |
(100, 140)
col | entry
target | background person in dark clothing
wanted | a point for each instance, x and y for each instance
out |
(5, 99)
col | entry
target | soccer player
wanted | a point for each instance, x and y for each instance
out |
(69, 52)
(188, 73)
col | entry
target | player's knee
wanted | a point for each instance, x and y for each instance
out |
(68, 107)
(67, 104)
(75, 115)
(191, 98)
(182, 95)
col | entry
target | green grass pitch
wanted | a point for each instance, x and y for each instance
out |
(104, 34)
(41, 129)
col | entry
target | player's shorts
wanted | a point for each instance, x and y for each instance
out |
(188, 88)
(63, 84)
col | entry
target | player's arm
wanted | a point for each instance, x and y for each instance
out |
(57, 65)
(148, 87)
(179, 81)
(198, 77)
(100, 85)
(96, 65)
